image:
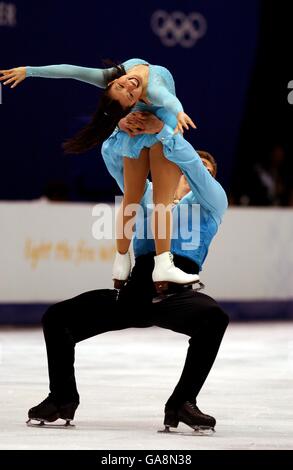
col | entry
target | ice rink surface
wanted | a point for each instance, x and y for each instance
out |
(125, 378)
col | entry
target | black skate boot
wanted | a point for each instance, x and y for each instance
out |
(50, 410)
(189, 414)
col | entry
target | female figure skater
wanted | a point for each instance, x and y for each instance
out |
(148, 88)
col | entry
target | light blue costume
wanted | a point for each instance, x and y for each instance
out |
(205, 190)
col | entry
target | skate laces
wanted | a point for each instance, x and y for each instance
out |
(194, 406)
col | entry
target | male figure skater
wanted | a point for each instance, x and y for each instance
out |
(186, 311)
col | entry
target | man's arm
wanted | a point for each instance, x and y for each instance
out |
(207, 191)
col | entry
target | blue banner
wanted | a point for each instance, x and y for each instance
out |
(209, 46)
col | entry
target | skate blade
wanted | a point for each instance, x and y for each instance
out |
(165, 295)
(41, 423)
(161, 297)
(199, 286)
(197, 431)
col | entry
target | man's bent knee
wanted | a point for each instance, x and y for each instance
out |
(52, 316)
(223, 316)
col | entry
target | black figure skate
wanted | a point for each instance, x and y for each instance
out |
(49, 411)
(189, 414)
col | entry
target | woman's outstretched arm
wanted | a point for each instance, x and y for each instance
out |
(96, 77)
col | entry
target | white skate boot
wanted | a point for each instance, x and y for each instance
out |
(121, 269)
(165, 273)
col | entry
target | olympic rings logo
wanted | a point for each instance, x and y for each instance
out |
(177, 28)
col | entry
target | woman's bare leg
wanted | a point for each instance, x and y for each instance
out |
(135, 175)
(165, 177)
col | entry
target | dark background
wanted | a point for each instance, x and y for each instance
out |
(232, 82)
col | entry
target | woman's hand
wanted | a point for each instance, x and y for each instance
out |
(14, 76)
(182, 122)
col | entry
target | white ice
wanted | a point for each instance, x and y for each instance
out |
(125, 377)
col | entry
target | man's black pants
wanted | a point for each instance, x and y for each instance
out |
(92, 313)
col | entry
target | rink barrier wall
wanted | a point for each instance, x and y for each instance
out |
(48, 253)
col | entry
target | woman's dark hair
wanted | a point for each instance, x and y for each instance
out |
(103, 121)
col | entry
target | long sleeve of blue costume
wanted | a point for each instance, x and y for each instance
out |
(97, 77)
(160, 96)
(206, 190)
